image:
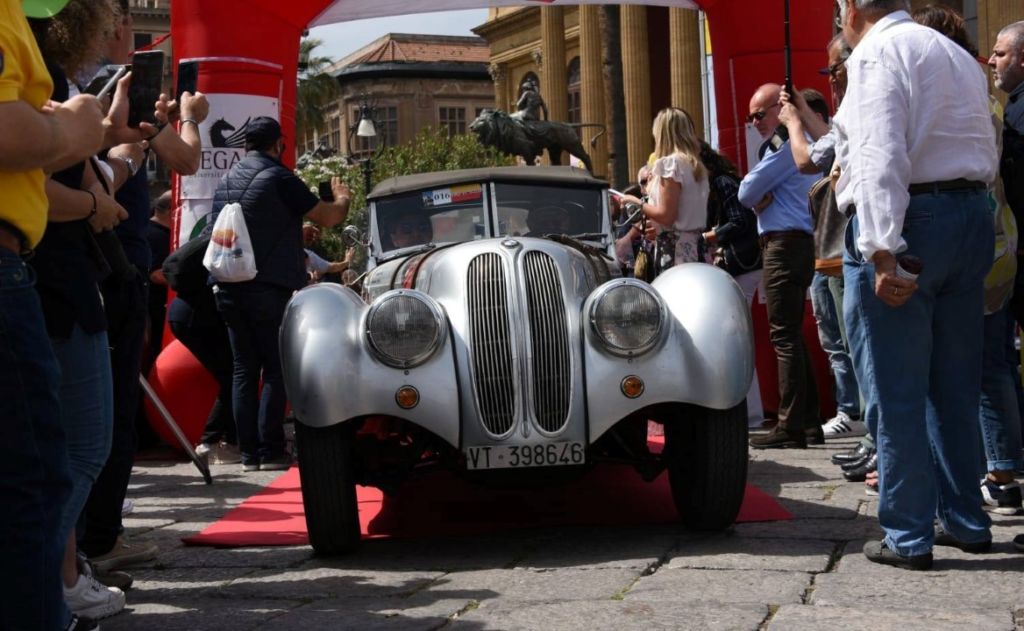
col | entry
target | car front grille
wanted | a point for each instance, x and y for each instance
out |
(491, 342)
(550, 337)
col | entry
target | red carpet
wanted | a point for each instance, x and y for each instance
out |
(443, 504)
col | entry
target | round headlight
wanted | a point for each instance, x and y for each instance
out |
(404, 329)
(627, 317)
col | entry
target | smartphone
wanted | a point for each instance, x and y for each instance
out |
(188, 77)
(106, 80)
(147, 79)
(326, 192)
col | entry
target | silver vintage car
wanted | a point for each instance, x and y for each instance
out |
(496, 336)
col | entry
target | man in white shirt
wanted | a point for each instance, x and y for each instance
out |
(916, 147)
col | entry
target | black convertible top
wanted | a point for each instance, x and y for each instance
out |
(566, 176)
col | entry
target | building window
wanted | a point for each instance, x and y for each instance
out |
(452, 120)
(386, 126)
(336, 133)
(575, 106)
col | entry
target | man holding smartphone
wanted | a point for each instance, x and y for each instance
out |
(127, 308)
(36, 136)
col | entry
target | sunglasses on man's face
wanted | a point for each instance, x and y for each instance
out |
(760, 114)
(834, 69)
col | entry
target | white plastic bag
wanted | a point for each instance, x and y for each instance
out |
(229, 256)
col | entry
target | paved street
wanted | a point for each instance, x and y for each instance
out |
(803, 574)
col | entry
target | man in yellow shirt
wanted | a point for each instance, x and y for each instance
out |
(35, 137)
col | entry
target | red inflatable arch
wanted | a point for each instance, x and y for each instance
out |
(248, 51)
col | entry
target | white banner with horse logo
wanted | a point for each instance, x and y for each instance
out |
(223, 136)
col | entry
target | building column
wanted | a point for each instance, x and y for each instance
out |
(553, 85)
(592, 85)
(636, 83)
(684, 52)
(500, 77)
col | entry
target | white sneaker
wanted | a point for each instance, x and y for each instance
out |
(127, 506)
(92, 599)
(842, 426)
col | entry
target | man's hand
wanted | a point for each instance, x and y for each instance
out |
(789, 115)
(711, 238)
(81, 122)
(765, 202)
(194, 106)
(108, 212)
(342, 193)
(890, 288)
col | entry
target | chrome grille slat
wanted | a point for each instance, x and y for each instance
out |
(491, 342)
(550, 341)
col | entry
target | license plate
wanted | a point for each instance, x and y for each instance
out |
(521, 456)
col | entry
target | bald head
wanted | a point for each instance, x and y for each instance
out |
(1007, 60)
(764, 108)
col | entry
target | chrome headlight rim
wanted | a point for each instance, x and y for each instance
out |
(440, 329)
(602, 292)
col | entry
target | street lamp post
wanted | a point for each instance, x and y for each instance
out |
(365, 127)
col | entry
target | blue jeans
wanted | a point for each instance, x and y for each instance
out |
(34, 480)
(920, 368)
(87, 413)
(253, 313)
(826, 298)
(1000, 414)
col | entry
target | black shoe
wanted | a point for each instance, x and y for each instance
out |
(878, 552)
(815, 435)
(861, 473)
(1018, 542)
(780, 438)
(856, 464)
(82, 624)
(853, 455)
(943, 538)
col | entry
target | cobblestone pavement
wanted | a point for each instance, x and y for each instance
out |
(803, 574)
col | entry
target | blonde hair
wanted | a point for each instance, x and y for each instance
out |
(674, 133)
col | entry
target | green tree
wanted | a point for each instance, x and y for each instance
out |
(316, 89)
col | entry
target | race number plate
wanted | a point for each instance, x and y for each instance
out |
(521, 456)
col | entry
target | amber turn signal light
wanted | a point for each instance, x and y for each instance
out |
(632, 386)
(407, 397)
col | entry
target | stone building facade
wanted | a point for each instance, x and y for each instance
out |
(661, 62)
(412, 82)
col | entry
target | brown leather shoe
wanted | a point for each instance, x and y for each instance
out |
(780, 438)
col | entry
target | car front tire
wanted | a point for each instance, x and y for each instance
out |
(327, 472)
(706, 457)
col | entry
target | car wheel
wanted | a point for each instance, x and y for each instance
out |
(328, 487)
(706, 457)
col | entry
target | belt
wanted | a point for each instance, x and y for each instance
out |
(775, 235)
(960, 185)
(11, 239)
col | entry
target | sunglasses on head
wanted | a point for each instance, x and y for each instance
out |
(760, 114)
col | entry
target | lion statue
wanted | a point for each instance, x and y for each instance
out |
(529, 138)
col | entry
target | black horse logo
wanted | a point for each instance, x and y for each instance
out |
(221, 139)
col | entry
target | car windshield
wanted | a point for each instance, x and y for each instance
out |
(534, 211)
(446, 215)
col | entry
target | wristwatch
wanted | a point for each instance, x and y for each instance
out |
(133, 166)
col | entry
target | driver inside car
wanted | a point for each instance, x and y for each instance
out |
(548, 220)
(409, 229)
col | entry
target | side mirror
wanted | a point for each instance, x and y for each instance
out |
(352, 237)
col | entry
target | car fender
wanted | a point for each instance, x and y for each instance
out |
(705, 356)
(331, 375)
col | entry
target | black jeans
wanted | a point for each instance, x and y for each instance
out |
(253, 313)
(126, 304)
(788, 272)
(206, 336)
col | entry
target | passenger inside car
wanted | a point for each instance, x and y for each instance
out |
(548, 220)
(409, 229)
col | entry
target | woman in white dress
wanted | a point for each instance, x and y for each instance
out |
(678, 187)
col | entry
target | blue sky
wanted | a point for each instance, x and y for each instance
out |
(346, 37)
